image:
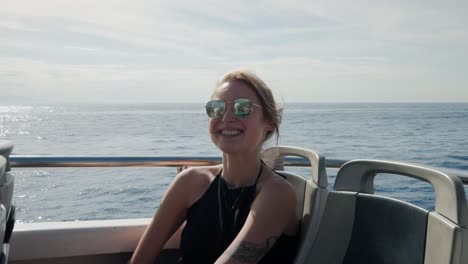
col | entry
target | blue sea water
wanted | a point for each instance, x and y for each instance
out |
(428, 134)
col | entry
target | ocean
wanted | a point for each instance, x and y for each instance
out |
(431, 134)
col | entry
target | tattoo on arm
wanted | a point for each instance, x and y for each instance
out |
(248, 252)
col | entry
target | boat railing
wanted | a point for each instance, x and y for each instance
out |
(178, 162)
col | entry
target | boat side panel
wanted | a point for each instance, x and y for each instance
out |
(116, 258)
(75, 239)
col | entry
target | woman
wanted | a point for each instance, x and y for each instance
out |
(239, 211)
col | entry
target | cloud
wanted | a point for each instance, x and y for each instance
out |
(398, 21)
(95, 82)
(386, 20)
(70, 49)
(16, 25)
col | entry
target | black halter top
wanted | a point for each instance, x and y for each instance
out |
(216, 218)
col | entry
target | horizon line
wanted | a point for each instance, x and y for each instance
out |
(202, 102)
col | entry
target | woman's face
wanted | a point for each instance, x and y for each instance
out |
(232, 134)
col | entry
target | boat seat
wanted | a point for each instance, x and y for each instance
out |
(311, 192)
(361, 227)
(7, 211)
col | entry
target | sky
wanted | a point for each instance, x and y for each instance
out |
(177, 51)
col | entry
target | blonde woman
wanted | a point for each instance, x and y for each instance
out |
(240, 211)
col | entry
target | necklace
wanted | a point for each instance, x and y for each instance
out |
(229, 201)
(231, 196)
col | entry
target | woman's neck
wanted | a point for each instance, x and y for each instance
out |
(239, 171)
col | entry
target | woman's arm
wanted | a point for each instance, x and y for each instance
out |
(270, 216)
(169, 216)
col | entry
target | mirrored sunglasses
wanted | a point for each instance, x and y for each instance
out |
(241, 108)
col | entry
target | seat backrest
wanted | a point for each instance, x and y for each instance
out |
(6, 180)
(6, 147)
(3, 227)
(387, 231)
(7, 212)
(3, 211)
(360, 227)
(311, 191)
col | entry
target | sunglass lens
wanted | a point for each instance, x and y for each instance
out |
(242, 107)
(215, 108)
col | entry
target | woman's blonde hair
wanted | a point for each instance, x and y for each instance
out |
(271, 111)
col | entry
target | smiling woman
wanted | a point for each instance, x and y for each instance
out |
(229, 213)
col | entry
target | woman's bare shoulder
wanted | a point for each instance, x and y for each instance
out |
(196, 180)
(273, 185)
(201, 174)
